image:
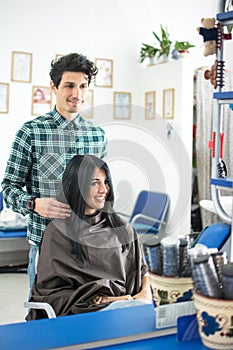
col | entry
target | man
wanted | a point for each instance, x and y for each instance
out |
(43, 147)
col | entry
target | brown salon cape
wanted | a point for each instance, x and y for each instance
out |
(111, 264)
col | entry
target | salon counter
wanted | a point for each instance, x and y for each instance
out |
(131, 328)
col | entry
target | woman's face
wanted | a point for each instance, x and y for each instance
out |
(98, 192)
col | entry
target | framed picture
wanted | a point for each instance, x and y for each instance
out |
(122, 105)
(88, 109)
(105, 72)
(168, 103)
(21, 67)
(150, 104)
(58, 55)
(41, 100)
(4, 97)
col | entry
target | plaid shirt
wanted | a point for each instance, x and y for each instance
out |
(40, 152)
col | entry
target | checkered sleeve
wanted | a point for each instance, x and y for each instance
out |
(105, 144)
(17, 170)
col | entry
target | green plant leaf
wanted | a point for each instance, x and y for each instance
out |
(182, 45)
(163, 42)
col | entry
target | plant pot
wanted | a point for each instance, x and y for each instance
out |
(163, 59)
(182, 53)
(152, 61)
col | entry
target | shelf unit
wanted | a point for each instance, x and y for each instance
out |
(220, 98)
(224, 97)
(222, 182)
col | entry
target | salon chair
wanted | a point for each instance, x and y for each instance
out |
(216, 236)
(149, 212)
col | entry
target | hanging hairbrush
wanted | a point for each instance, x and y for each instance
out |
(222, 169)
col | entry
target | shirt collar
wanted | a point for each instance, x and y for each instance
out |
(63, 122)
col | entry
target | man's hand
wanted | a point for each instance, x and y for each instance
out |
(51, 208)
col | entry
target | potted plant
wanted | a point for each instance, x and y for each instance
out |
(148, 51)
(164, 42)
(181, 48)
(161, 48)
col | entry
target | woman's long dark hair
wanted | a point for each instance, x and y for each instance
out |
(76, 182)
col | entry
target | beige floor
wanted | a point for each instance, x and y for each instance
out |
(13, 293)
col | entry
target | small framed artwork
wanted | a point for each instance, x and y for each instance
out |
(21, 66)
(168, 103)
(150, 104)
(4, 97)
(58, 55)
(88, 109)
(105, 72)
(41, 100)
(122, 105)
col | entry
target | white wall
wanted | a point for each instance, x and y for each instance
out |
(112, 29)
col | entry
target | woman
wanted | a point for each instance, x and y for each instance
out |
(92, 259)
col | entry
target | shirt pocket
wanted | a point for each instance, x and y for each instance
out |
(52, 166)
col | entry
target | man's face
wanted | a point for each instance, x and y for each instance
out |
(71, 93)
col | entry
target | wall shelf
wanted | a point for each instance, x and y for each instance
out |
(222, 182)
(221, 98)
(224, 97)
(225, 17)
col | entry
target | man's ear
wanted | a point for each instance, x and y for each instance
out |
(52, 86)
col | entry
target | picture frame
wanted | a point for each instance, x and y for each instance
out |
(88, 109)
(104, 77)
(41, 100)
(122, 105)
(21, 66)
(168, 103)
(150, 104)
(58, 55)
(4, 97)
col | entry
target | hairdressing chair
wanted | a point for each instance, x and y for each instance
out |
(215, 236)
(37, 305)
(149, 213)
(41, 306)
